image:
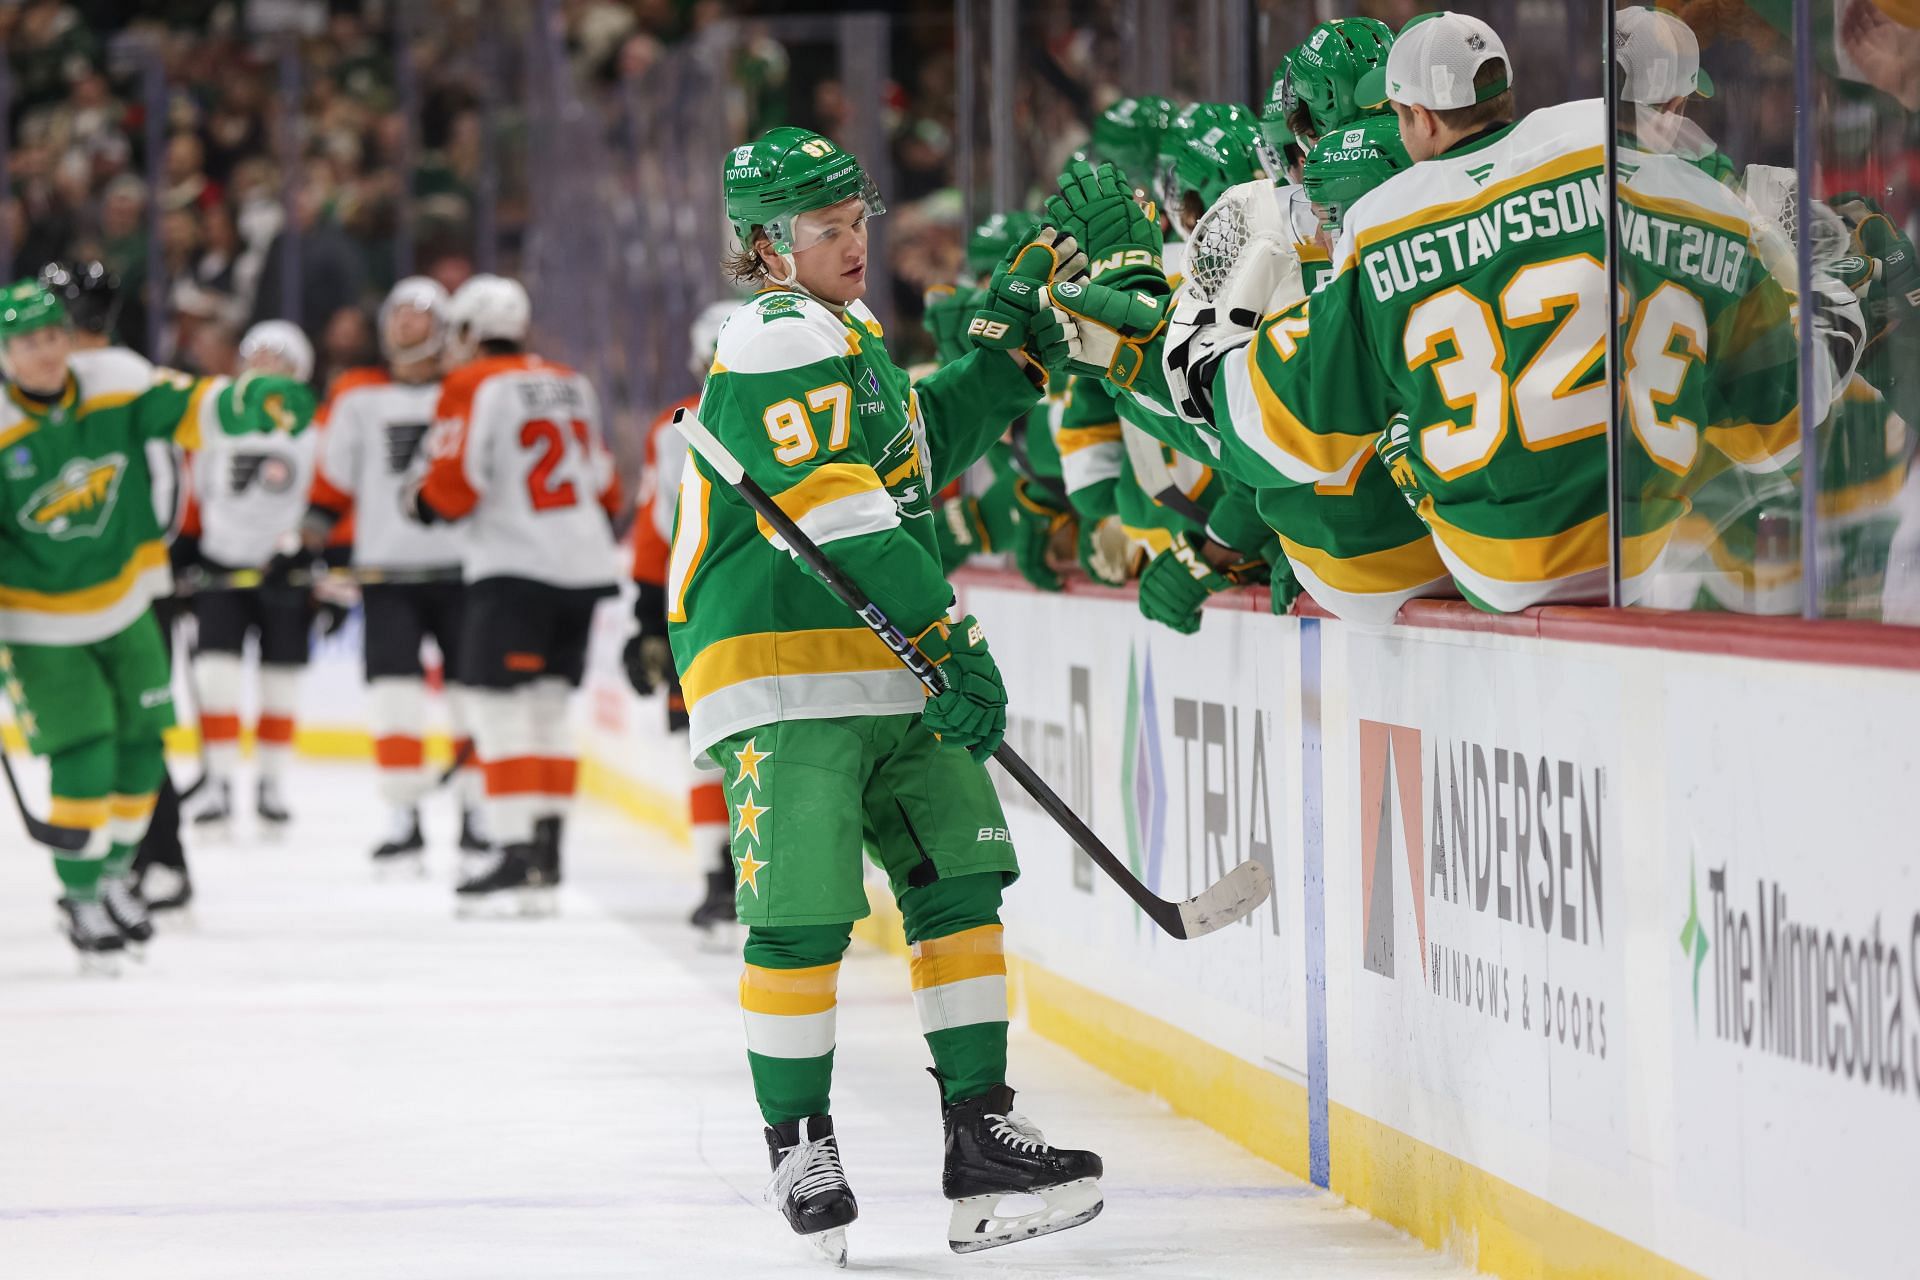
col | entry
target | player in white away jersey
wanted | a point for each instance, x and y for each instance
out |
(249, 492)
(517, 455)
(375, 424)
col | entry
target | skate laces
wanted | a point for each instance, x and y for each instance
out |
(807, 1169)
(1018, 1132)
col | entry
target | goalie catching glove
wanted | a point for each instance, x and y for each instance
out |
(971, 712)
(1015, 316)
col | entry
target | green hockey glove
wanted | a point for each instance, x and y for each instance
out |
(1395, 447)
(1283, 587)
(1894, 291)
(1106, 553)
(1115, 329)
(971, 713)
(960, 527)
(1015, 314)
(949, 309)
(1178, 581)
(1037, 522)
(1120, 235)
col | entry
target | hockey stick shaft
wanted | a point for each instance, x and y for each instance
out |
(65, 839)
(192, 581)
(1248, 884)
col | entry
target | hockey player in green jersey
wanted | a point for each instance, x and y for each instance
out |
(81, 558)
(1507, 443)
(826, 742)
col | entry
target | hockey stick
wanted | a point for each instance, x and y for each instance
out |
(192, 581)
(65, 839)
(1227, 900)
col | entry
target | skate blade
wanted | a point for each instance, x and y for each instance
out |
(400, 866)
(832, 1244)
(99, 964)
(212, 831)
(530, 903)
(977, 1224)
(722, 939)
(540, 902)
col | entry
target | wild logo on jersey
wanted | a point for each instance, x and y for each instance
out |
(78, 502)
(403, 442)
(269, 471)
(899, 468)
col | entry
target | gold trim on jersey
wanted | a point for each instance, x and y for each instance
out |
(1394, 569)
(827, 483)
(146, 557)
(1580, 549)
(1676, 207)
(1756, 444)
(760, 654)
(1329, 453)
(1560, 167)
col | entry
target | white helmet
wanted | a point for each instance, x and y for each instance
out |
(282, 339)
(489, 307)
(704, 339)
(415, 293)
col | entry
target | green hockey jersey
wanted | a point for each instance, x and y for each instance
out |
(1468, 292)
(820, 416)
(82, 553)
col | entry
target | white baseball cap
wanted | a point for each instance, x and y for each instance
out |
(1659, 57)
(1433, 62)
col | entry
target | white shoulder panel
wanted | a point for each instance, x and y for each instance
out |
(779, 330)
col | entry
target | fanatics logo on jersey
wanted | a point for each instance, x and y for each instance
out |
(78, 502)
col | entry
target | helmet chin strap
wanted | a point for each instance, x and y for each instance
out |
(792, 281)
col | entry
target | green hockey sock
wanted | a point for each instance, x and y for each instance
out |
(139, 764)
(82, 775)
(959, 972)
(788, 995)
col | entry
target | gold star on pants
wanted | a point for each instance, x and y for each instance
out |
(749, 872)
(749, 761)
(750, 817)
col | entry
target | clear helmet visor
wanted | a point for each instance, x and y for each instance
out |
(805, 229)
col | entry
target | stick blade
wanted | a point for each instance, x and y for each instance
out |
(1231, 898)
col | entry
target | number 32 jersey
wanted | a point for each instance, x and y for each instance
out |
(517, 453)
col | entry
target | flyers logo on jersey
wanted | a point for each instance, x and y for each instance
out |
(78, 502)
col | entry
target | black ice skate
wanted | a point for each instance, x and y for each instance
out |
(809, 1187)
(164, 888)
(546, 840)
(269, 804)
(473, 837)
(717, 907)
(994, 1152)
(404, 845)
(214, 814)
(516, 881)
(127, 909)
(94, 935)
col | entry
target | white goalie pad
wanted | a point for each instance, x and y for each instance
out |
(1241, 267)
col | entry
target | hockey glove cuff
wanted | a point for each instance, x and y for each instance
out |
(1119, 232)
(1036, 525)
(1116, 329)
(971, 712)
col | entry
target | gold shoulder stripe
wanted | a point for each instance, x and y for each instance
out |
(1564, 166)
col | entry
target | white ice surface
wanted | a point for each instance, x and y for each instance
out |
(323, 1075)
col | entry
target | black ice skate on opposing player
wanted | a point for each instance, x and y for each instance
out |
(809, 1186)
(270, 805)
(518, 881)
(994, 1152)
(94, 935)
(404, 847)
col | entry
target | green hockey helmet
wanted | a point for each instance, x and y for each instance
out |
(1221, 150)
(785, 174)
(1275, 134)
(1326, 69)
(1348, 163)
(1128, 134)
(27, 305)
(1166, 186)
(988, 243)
